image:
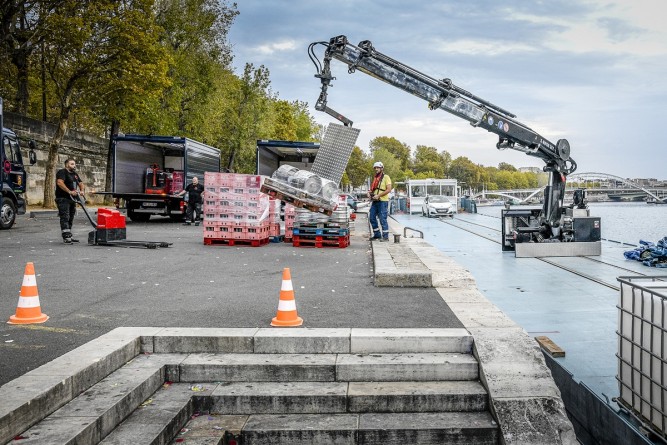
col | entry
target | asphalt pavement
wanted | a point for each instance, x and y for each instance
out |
(90, 290)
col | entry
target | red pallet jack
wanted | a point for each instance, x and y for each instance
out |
(110, 229)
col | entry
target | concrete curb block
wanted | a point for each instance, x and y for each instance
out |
(397, 264)
(523, 395)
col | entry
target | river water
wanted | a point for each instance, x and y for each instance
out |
(626, 222)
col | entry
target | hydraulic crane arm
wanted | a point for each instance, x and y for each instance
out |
(441, 94)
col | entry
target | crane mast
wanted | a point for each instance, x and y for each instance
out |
(445, 95)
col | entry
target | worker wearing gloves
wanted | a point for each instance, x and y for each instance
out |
(379, 194)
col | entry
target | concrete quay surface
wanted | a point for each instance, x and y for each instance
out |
(428, 291)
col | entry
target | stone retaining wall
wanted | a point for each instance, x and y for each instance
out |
(89, 152)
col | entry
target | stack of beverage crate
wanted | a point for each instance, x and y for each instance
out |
(317, 230)
(274, 219)
(290, 214)
(235, 211)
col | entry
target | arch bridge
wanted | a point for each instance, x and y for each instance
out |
(631, 189)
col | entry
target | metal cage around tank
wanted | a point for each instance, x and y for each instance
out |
(642, 349)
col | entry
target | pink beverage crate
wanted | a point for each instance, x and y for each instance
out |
(223, 231)
(177, 181)
(288, 234)
(211, 179)
(257, 232)
(254, 181)
(211, 193)
(274, 229)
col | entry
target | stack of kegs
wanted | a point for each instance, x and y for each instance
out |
(307, 181)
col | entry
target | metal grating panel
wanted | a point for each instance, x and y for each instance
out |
(335, 151)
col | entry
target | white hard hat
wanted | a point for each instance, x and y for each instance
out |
(378, 164)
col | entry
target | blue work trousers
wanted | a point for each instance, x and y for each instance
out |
(379, 211)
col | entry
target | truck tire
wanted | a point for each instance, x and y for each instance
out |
(7, 214)
(138, 217)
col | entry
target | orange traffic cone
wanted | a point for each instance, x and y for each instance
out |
(286, 315)
(28, 310)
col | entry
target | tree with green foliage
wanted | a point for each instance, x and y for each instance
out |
(465, 171)
(306, 128)
(104, 49)
(249, 100)
(446, 160)
(427, 160)
(506, 167)
(358, 167)
(397, 148)
(284, 125)
(24, 28)
(194, 35)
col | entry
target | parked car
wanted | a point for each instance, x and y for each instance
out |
(438, 205)
(352, 202)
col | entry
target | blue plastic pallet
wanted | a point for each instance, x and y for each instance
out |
(321, 232)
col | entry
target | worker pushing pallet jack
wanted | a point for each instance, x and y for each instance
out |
(110, 229)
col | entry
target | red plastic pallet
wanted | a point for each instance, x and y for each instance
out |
(321, 241)
(235, 242)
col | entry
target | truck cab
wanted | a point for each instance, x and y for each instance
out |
(13, 178)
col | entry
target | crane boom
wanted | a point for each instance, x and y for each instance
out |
(443, 94)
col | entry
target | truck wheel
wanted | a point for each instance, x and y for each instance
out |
(138, 217)
(7, 214)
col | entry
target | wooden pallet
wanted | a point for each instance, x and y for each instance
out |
(321, 241)
(235, 242)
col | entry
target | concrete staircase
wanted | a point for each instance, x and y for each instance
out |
(286, 386)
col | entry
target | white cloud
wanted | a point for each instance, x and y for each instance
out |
(277, 47)
(635, 28)
(482, 47)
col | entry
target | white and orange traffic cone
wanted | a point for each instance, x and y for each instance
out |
(28, 310)
(286, 315)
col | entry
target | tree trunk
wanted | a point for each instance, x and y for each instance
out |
(115, 126)
(20, 60)
(51, 163)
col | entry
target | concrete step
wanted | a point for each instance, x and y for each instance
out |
(157, 421)
(98, 410)
(377, 428)
(326, 367)
(341, 397)
(309, 341)
(209, 429)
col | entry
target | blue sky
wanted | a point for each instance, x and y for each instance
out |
(593, 72)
